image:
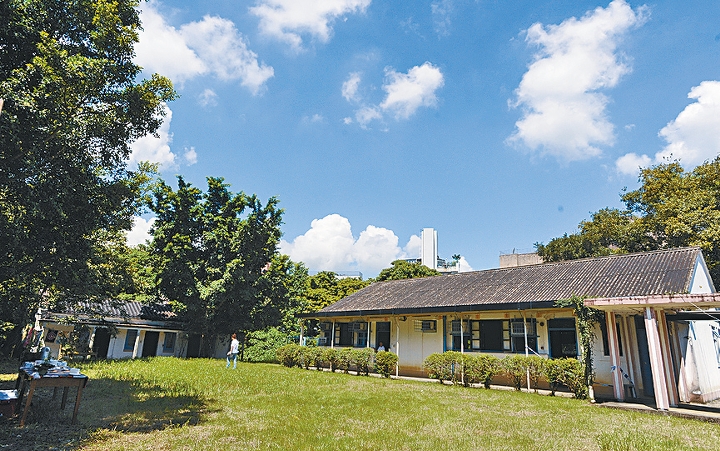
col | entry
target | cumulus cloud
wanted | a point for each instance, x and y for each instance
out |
(408, 92)
(140, 232)
(563, 108)
(210, 46)
(693, 137)
(155, 149)
(190, 156)
(329, 245)
(405, 93)
(287, 20)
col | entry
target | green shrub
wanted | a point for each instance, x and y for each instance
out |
(362, 358)
(263, 344)
(289, 355)
(514, 367)
(444, 367)
(535, 365)
(552, 371)
(385, 363)
(310, 356)
(344, 359)
(572, 375)
(328, 358)
(480, 369)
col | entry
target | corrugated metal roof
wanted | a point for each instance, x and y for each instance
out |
(647, 273)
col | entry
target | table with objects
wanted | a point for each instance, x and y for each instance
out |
(33, 375)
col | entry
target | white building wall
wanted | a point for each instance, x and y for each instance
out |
(429, 248)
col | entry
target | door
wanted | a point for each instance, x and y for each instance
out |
(562, 338)
(644, 355)
(101, 343)
(382, 334)
(151, 343)
(193, 347)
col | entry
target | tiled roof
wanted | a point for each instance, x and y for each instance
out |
(124, 309)
(647, 273)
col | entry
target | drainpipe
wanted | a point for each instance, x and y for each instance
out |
(332, 343)
(368, 334)
(397, 347)
(527, 370)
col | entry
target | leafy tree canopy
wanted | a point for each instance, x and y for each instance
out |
(671, 208)
(325, 288)
(218, 261)
(402, 269)
(72, 105)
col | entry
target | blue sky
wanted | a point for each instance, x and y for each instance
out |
(500, 124)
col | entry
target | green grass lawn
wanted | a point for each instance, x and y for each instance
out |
(168, 404)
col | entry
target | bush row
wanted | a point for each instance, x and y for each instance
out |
(361, 360)
(452, 366)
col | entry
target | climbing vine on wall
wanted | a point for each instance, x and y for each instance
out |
(586, 318)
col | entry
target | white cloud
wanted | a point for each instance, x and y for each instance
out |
(190, 156)
(140, 233)
(631, 163)
(350, 87)
(408, 92)
(693, 137)
(287, 20)
(441, 12)
(563, 110)
(212, 45)
(329, 245)
(207, 98)
(405, 93)
(155, 149)
(464, 266)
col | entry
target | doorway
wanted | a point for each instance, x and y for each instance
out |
(101, 343)
(151, 343)
(562, 337)
(382, 334)
(644, 355)
(193, 346)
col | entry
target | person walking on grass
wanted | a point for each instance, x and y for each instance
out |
(233, 352)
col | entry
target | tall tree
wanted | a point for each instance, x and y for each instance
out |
(325, 288)
(72, 104)
(216, 253)
(402, 269)
(671, 208)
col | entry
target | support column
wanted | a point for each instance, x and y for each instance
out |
(397, 347)
(667, 358)
(611, 326)
(368, 334)
(656, 362)
(302, 332)
(136, 346)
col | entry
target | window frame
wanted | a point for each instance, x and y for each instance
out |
(129, 346)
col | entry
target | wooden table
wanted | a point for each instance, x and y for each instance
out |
(29, 378)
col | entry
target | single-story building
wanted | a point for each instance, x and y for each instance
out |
(661, 337)
(119, 330)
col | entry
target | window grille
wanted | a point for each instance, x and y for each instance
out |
(426, 326)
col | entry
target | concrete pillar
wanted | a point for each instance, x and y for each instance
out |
(136, 346)
(667, 358)
(618, 389)
(332, 342)
(656, 361)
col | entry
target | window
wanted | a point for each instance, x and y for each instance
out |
(130, 339)
(351, 334)
(517, 335)
(426, 326)
(169, 342)
(562, 338)
(492, 336)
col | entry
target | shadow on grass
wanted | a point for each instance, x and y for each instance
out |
(106, 404)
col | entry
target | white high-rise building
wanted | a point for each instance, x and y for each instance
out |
(429, 253)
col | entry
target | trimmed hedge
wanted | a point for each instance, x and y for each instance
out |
(385, 363)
